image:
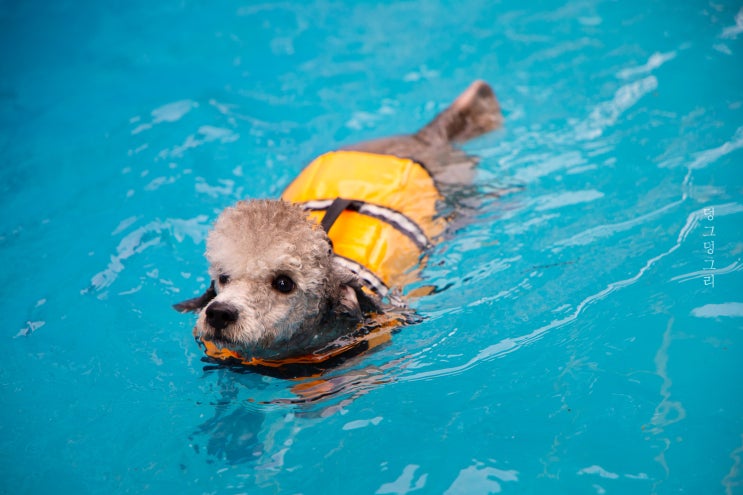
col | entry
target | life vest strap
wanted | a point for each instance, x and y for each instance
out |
(369, 279)
(399, 221)
(333, 211)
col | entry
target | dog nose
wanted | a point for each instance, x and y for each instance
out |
(219, 315)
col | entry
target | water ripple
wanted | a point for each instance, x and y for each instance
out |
(481, 478)
(144, 238)
(595, 233)
(732, 32)
(707, 157)
(559, 200)
(510, 344)
(606, 114)
(733, 267)
(731, 481)
(668, 411)
(205, 134)
(731, 309)
(655, 61)
(548, 163)
(171, 112)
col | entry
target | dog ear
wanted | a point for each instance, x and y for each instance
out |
(368, 301)
(348, 303)
(353, 300)
(197, 303)
(357, 302)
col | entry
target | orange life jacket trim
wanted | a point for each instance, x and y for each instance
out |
(373, 338)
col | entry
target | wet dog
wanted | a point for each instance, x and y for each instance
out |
(293, 277)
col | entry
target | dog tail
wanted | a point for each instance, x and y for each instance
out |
(473, 113)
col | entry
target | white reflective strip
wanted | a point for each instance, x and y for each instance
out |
(364, 274)
(319, 204)
(388, 215)
(391, 216)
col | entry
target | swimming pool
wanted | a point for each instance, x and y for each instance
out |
(579, 345)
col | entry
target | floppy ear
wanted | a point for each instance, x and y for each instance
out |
(356, 302)
(353, 301)
(368, 301)
(348, 303)
(197, 303)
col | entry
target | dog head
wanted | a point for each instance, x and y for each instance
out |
(276, 291)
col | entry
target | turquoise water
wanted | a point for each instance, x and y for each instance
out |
(577, 347)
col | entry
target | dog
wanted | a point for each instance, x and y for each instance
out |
(295, 280)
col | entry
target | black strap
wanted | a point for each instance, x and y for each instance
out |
(333, 212)
(403, 224)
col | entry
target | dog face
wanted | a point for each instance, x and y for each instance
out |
(276, 290)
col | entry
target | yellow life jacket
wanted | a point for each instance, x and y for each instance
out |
(379, 212)
(388, 215)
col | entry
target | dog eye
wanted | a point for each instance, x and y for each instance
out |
(283, 284)
(223, 279)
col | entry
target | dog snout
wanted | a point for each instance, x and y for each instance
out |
(220, 314)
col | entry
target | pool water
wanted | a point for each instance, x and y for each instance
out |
(577, 343)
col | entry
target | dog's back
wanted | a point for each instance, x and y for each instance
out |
(378, 200)
(475, 112)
